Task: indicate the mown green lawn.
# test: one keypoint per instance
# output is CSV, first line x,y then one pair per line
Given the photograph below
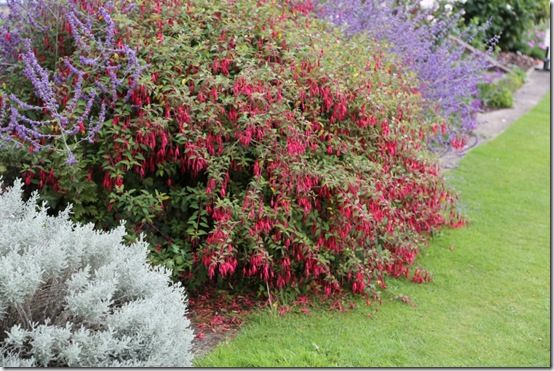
x,y
489,303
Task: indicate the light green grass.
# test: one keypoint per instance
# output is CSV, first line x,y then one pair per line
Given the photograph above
x,y
488,304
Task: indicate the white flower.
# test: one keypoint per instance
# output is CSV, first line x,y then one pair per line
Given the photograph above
x,y
426,4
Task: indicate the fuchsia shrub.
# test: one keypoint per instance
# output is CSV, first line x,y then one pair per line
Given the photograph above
x,y
259,147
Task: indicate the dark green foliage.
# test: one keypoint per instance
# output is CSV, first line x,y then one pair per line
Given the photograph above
x,y
535,52
499,94
509,19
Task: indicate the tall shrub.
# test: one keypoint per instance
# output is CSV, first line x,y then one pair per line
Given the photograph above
x,y
71,296
510,19
260,148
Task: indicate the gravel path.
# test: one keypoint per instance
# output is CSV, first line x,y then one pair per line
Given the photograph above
x,y
493,123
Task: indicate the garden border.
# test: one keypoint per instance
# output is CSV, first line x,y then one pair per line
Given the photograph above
x,y
493,123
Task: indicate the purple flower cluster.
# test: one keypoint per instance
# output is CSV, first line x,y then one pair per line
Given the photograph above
x,y
449,76
70,96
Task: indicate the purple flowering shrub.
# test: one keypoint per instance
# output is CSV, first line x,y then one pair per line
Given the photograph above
x,y
448,76
64,66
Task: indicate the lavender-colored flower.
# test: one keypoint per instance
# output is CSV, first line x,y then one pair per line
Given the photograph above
x,y
38,76
110,26
71,160
68,100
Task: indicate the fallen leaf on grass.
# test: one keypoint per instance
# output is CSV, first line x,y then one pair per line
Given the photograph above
x,y
406,300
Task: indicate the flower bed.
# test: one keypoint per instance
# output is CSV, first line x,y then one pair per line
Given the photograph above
x,y
248,140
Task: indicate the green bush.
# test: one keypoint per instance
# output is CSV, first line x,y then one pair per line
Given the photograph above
x,y
495,96
535,51
499,94
515,79
510,19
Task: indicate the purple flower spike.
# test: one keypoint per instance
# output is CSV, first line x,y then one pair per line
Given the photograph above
x,y
68,99
71,160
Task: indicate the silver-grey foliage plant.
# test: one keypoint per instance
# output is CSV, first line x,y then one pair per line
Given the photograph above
x,y
74,296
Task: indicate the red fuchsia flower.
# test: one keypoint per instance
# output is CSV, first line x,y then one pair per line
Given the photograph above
x,y
365,121
301,6
281,281
217,237
118,181
295,147
210,185
435,128
385,128
107,182
305,183
257,261
28,177
302,300
457,221
213,94
397,269
256,169
313,88
194,159
238,85
201,97
305,204
339,109
358,285
183,116
224,66
207,259
267,272
228,267
458,143
216,66
444,128
285,275
223,189
263,225
232,115
245,137
284,309
221,214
